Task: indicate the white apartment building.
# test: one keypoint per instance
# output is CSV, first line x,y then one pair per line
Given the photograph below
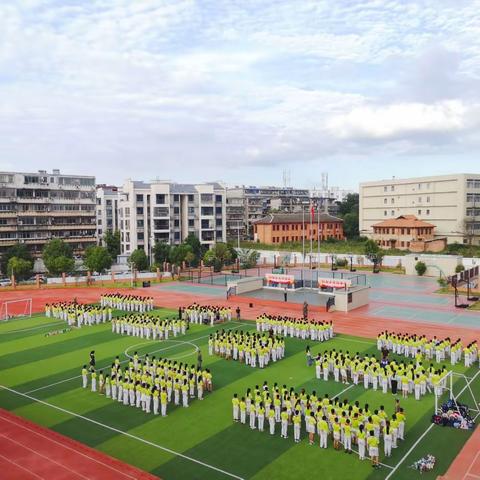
x,y
169,212
37,207
450,202
107,210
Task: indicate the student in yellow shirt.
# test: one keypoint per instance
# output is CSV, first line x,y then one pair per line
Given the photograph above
x,y
322,427
373,442
361,442
236,407
336,434
297,421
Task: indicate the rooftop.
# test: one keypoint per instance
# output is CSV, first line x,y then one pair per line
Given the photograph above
x,y
405,221
297,218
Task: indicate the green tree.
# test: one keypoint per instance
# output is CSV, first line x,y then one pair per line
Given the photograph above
x,y
139,259
161,253
248,258
421,268
350,225
97,259
350,204
459,268
197,248
178,253
373,252
20,251
112,243
58,257
19,267
218,256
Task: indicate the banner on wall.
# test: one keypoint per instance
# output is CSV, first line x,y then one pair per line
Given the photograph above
x,y
279,279
334,283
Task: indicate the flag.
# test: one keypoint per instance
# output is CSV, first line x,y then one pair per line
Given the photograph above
x,y
312,211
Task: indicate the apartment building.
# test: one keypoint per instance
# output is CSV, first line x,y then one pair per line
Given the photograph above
x,y
247,204
450,202
107,210
37,207
169,212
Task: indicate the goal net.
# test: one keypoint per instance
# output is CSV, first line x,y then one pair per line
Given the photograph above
x,y
16,308
459,394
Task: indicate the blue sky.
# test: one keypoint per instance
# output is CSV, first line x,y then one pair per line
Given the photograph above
x,y
240,90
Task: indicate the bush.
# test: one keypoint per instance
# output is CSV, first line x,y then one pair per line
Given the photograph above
x,y
421,268
459,268
442,282
341,262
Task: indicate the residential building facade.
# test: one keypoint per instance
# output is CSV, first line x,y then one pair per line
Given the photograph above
x,y
247,204
168,212
38,207
275,229
107,210
450,202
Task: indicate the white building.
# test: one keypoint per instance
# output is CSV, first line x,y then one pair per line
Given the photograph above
x,y
37,207
107,210
450,202
168,212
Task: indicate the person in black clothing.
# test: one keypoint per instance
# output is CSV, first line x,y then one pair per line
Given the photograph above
x,y
180,311
284,294
238,313
92,360
199,360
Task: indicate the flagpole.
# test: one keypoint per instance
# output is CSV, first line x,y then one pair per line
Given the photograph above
x,y
318,238
303,237
312,213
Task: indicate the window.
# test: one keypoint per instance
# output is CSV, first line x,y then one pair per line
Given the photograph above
x,y
419,186
428,199
218,210
191,222
392,188
99,231
176,223
393,213
218,222
190,198
176,210
139,210
428,212
160,211
127,211
419,199
99,201
176,235
161,224
206,198
392,200
140,236
207,211
385,213
140,223
419,212
109,203
159,198
139,197
385,188
218,198
385,201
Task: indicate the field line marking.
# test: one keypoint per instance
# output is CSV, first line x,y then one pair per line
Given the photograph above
x,y
45,457
471,465
121,432
106,366
409,451
32,328
345,389
66,447
22,467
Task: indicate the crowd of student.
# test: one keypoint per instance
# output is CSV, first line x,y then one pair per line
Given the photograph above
x,y
311,329
345,423
409,378
253,349
206,314
129,303
144,325
419,347
77,314
150,385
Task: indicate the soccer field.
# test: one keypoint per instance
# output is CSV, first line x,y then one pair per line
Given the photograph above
x,y
42,376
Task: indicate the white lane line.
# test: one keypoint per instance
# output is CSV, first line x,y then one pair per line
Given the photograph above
x,y
344,390
45,457
409,451
121,432
66,447
22,467
106,366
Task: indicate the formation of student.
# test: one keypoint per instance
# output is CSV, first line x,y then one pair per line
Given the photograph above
x,y
419,347
144,325
76,314
150,385
206,314
129,303
311,329
342,423
409,378
253,349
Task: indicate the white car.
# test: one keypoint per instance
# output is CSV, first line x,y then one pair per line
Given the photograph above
x,y
5,282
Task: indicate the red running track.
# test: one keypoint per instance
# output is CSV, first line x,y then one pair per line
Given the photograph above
x,y
28,452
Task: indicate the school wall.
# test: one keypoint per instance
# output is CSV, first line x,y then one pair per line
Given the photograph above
x,y
436,264
245,285
359,297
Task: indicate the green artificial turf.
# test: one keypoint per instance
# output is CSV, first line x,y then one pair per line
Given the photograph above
x,y
205,431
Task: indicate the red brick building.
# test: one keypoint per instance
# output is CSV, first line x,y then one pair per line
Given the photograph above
x,y
289,227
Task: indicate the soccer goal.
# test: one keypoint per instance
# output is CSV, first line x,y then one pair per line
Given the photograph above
x,y
16,308
459,390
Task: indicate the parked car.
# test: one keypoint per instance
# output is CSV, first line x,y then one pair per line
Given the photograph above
x,y
5,282
43,279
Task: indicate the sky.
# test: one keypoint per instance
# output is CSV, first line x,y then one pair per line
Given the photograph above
x,y
240,90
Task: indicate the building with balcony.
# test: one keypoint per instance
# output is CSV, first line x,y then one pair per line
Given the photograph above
x,y
275,229
107,210
37,207
245,205
450,202
168,212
